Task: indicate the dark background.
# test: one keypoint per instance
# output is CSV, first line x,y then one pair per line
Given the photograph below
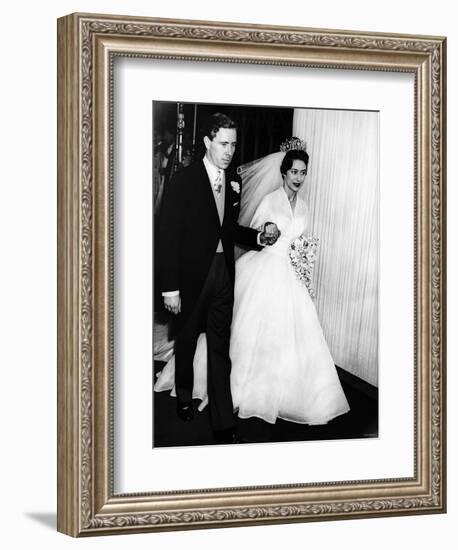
x,y
261,130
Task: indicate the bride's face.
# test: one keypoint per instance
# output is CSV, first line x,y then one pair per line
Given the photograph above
x,y
295,176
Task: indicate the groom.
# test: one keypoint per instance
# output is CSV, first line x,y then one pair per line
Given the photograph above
x,y
198,232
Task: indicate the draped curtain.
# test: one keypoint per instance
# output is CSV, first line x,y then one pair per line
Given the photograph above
x,y
343,195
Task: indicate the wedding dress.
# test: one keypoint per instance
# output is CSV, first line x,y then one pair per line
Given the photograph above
x,y
281,363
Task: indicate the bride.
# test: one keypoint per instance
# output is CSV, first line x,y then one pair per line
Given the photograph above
x,y
281,364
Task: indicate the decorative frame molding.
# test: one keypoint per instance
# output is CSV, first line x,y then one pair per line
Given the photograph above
x,y
87,45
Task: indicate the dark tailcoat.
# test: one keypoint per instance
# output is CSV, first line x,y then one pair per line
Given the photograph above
x,y
191,229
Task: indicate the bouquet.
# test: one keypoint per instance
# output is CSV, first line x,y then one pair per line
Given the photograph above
x,y
302,253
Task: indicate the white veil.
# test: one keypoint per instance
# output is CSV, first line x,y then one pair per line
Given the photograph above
x,y
259,178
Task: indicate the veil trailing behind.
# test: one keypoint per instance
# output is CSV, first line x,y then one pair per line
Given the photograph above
x,y
259,178
281,364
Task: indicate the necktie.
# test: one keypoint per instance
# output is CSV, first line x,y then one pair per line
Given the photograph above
x,y
218,183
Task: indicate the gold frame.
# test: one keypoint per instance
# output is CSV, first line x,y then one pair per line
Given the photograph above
x,y
87,44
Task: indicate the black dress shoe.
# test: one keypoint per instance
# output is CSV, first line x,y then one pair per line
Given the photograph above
x,y
185,411
229,436
237,438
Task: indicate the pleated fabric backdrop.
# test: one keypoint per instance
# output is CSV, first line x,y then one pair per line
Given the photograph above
x,y
342,190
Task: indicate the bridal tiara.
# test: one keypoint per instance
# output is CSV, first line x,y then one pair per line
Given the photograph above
x,y
293,143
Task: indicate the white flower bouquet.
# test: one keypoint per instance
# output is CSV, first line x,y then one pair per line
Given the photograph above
x,y
302,253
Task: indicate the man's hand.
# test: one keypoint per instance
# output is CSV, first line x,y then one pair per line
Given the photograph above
x,y
269,234
173,304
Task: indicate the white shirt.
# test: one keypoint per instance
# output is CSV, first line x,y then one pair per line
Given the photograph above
x,y
215,175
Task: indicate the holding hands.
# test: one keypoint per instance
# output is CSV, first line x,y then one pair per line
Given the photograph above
x,y
269,234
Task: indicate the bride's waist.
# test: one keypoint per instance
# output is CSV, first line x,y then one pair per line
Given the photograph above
x,y
281,246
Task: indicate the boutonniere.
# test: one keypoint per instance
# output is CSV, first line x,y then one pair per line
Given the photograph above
x,y
235,186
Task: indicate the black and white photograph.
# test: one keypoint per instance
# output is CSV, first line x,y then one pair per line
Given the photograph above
x,y
266,274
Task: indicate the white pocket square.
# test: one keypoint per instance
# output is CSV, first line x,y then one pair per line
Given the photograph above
x,y
236,203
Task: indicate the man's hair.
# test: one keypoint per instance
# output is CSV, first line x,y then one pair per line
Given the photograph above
x,y
217,121
290,157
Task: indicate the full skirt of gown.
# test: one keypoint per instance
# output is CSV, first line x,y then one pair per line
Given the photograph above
x,y
281,363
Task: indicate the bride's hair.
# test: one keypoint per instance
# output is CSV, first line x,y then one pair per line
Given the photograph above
x,y
263,176
290,157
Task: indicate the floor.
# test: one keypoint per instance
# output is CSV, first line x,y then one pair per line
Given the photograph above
x,y
360,422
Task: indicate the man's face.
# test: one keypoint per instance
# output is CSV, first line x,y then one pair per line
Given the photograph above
x,y
221,148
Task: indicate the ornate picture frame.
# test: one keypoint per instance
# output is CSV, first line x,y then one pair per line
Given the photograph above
x,y
87,46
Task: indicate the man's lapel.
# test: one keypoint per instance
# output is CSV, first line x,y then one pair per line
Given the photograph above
x,y
230,197
227,196
207,192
